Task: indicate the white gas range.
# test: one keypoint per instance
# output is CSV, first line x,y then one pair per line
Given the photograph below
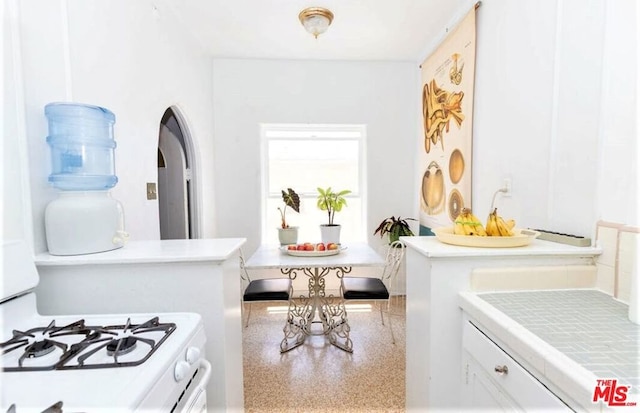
x,y
94,363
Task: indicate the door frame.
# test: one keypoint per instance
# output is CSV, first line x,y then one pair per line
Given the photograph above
x,y
194,198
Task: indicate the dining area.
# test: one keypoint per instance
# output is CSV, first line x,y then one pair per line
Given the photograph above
x,y
325,346
317,306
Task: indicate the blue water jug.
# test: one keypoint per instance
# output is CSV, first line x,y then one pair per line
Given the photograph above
x,y
82,146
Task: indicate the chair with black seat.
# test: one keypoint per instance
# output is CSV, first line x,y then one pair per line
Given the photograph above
x,y
377,289
263,289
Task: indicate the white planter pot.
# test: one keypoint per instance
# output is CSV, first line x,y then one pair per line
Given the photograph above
x,y
330,233
288,235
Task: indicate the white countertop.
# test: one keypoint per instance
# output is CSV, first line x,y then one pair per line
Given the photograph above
x,y
154,251
353,255
431,247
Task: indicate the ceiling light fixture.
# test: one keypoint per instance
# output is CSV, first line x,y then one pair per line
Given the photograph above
x,y
316,20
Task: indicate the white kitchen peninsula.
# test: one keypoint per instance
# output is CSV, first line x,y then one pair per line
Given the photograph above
x,y
200,276
436,273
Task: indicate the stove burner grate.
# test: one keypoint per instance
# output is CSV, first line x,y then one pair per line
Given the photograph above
x,y
116,340
40,341
54,408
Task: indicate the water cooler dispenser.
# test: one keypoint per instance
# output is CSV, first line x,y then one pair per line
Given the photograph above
x,y
84,219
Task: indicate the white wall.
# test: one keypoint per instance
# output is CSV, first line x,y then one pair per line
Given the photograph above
x,y
132,58
547,84
618,144
555,111
16,217
250,92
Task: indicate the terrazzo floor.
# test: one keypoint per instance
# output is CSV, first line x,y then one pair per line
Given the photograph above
x,y
318,377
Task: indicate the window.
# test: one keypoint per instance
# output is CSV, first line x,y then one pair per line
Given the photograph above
x,y
305,157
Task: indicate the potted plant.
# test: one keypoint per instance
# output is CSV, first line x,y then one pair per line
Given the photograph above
x,y
394,227
332,202
288,234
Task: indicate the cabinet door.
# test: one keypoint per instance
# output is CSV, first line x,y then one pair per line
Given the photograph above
x,y
515,383
479,391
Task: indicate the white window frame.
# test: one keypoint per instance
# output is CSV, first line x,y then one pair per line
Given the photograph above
x,y
305,132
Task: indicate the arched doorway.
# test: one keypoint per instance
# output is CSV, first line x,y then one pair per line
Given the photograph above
x,y
177,193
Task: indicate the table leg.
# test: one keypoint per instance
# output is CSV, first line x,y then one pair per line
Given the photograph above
x,y
330,310
336,313
295,329
299,315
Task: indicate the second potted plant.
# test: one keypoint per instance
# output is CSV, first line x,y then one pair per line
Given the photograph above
x,y
332,202
394,227
287,234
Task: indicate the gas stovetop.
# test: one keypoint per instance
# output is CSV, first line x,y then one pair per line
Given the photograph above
x,y
95,362
79,346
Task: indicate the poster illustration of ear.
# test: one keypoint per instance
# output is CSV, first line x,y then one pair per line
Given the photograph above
x,y
447,115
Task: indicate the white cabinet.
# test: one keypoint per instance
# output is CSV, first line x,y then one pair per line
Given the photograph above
x,y
479,391
491,379
199,275
436,274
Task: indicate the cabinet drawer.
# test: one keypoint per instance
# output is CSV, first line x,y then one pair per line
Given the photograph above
x,y
518,383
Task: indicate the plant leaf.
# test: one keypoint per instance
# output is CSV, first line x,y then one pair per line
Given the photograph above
x,y
291,199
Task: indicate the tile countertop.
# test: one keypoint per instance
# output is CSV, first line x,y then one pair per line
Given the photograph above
x,y
570,337
153,251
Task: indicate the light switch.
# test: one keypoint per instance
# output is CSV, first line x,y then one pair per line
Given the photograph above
x,y
151,190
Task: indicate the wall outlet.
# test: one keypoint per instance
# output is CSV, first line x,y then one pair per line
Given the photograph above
x,y
152,192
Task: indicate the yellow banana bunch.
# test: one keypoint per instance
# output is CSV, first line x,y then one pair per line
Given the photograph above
x,y
497,227
468,224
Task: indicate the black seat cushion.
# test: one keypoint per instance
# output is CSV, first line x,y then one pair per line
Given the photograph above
x,y
363,288
268,289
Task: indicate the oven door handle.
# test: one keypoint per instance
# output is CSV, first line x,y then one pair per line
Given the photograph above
x,y
207,373
201,387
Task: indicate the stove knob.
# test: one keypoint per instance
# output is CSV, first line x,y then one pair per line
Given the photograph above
x,y
193,355
181,371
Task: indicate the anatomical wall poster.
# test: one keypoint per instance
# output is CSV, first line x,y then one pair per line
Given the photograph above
x,y
447,120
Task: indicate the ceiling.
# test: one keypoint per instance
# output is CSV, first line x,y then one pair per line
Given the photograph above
x,y
398,30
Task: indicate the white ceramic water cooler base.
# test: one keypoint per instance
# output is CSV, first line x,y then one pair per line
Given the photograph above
x,y
84,223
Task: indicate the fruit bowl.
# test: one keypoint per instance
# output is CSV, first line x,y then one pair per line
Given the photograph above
x,y
521,238
298,253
